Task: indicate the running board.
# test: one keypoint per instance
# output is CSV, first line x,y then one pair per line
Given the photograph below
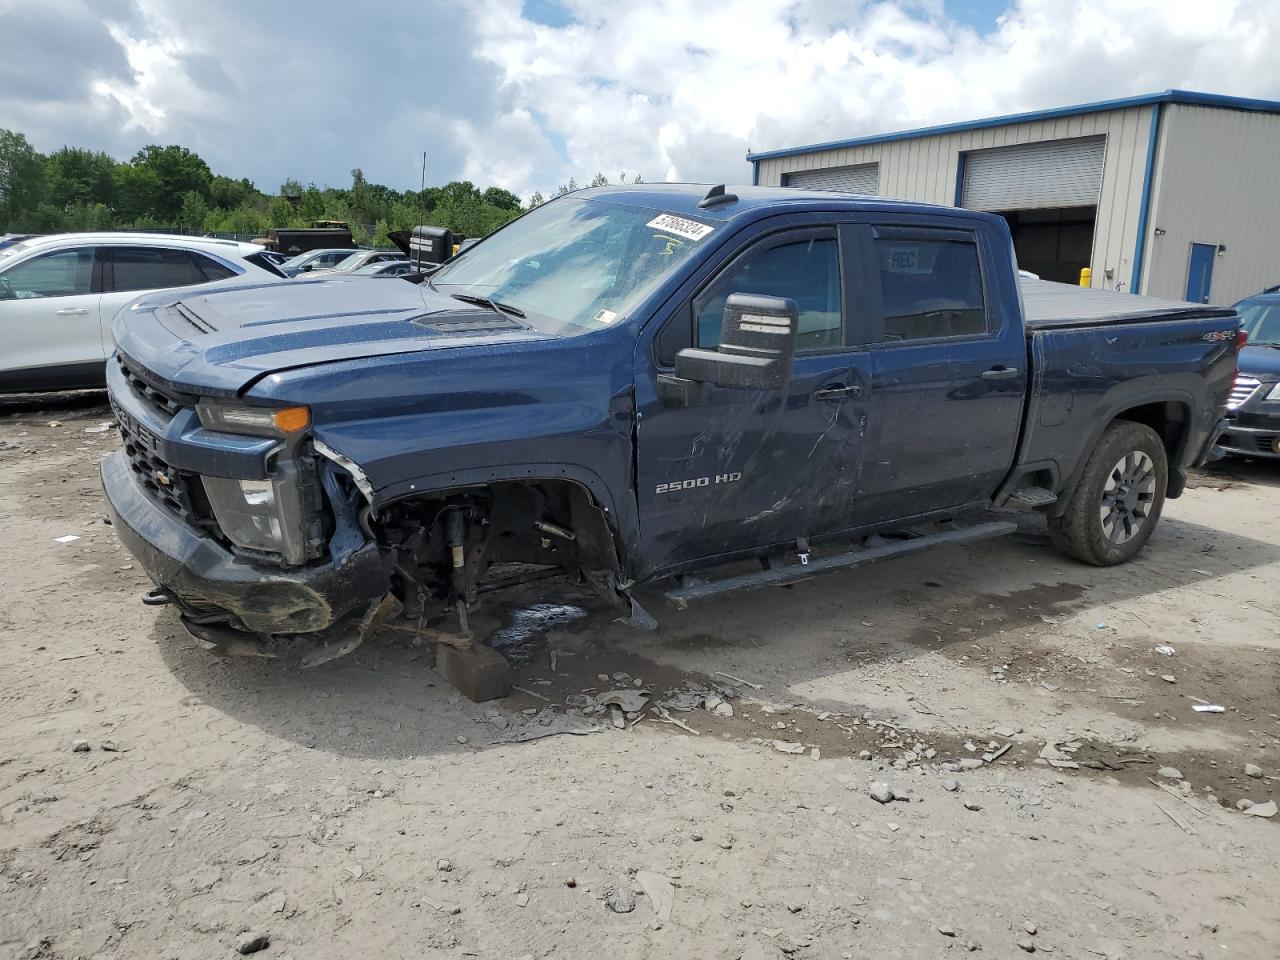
x,y
778,575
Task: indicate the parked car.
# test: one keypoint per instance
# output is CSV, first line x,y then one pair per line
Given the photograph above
x,y
386,268
315,260
362,258
9,239
1254,407
275,257
59,293
635,383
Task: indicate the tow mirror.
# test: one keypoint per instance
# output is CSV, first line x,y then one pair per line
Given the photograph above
x,y
757,345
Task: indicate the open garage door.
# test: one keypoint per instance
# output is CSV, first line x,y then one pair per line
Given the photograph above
x,y
862,179
1048,192
1033,176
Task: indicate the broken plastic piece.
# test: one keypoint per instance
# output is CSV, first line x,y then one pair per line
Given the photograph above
x,y
639,617
1208,708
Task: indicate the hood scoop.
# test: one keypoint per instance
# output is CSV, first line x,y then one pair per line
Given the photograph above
x,y
466,323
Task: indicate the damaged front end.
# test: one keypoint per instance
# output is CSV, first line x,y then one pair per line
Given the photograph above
x,y
265,539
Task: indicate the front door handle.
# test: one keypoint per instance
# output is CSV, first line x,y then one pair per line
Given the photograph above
x,y
73,312
838,391
1000,373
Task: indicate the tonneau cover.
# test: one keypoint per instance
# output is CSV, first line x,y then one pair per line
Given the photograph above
x,y
1050,304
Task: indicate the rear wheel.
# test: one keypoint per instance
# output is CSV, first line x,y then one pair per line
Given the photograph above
x,y
1115,506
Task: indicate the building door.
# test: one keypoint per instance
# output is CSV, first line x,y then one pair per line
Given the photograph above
x,y
862,179
1048,192
1200,271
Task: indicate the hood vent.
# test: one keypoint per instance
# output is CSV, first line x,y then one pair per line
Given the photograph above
x,y
466,324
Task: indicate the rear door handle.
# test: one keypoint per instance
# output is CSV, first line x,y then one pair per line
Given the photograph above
x,y
73,312
1000,373
838,391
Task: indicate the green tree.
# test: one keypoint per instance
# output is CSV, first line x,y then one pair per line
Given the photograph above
x,y
137,191
536,200
502,199
312,206
77,176
291,188
569,187
177,171
380,235
600,180
229,194
21,180
193,210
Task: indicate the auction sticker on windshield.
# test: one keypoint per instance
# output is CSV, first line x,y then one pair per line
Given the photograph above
x,y
689,229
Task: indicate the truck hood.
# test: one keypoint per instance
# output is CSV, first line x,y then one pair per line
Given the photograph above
x,y
218,340
1261,362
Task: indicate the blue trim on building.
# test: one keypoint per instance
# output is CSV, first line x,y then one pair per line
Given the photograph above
x,y
1189,97
1140,249
960,161
755,173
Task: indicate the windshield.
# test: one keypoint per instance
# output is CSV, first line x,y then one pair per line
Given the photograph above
x,y
346,263
1261,321
574,265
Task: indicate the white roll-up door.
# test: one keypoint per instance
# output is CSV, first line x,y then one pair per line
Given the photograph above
x,y
862,179
1055,173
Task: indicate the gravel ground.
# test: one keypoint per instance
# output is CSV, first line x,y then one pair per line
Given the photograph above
x,y
365,806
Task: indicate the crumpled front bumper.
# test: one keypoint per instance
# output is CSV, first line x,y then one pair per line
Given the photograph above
x,y
209,579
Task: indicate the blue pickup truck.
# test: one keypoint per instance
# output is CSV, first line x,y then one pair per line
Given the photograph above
x,y
715,390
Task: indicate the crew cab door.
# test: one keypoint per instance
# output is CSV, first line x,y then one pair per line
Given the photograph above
x,y
742,467
50,321
948,369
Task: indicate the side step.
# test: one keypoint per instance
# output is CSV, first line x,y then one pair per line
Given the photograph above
x,y
779,575
1033,497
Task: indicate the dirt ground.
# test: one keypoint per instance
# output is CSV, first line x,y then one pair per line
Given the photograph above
x,y
364,807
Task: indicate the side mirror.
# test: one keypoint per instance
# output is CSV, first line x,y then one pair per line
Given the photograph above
x,y
306,268
757,345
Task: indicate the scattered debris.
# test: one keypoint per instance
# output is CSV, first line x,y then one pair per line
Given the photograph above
x,y
80,746
786,746
1209,708
101,428
995,755
665,717
1252,770
630,700
444,866
1027,944
660,891
972,805
950,785
1164,649
1179,823
1168,678
745,683
1267,809
69,538
1169,773
522,899
947,930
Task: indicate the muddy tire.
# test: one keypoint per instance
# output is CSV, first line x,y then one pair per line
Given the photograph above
x,y
1116,505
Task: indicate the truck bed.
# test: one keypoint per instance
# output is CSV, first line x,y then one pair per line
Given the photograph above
x,y
1051,305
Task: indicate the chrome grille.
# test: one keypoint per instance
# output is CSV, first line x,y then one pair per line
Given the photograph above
x,y
1244,389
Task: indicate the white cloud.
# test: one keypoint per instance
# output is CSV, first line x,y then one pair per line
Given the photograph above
x,y
671,89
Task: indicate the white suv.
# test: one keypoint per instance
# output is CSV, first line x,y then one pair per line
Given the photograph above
x,y
59,294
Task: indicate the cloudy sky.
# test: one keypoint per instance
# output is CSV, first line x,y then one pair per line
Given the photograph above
x,y
527,94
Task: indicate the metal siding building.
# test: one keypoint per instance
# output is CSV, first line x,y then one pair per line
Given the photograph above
x,y
1171,193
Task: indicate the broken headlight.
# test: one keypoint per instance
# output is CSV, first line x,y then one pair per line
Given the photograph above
x,y
278,516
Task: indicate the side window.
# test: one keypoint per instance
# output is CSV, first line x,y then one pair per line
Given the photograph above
x,y
931,288
805,269
152,268
66,273
211,268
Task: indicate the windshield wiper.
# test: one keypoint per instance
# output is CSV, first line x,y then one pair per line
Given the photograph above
x,y
495,305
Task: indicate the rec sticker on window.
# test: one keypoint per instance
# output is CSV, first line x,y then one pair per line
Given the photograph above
x,y
689,229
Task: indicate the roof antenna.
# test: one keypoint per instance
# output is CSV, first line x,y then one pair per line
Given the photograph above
x,y
716,196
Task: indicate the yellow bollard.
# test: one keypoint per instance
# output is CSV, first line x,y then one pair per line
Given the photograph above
x,y
1086,277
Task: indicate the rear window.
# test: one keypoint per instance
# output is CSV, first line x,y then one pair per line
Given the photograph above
x,y
212,269
930,288
152,268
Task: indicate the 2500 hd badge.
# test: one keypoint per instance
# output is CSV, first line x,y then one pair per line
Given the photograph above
x,y
676,486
